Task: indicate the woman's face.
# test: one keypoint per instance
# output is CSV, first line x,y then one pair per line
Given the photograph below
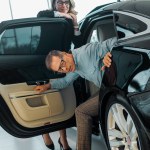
x,y
62,5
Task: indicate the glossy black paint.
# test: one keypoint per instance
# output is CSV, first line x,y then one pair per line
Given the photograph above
x,y
131,57
25,44
22,59
139,7
9,124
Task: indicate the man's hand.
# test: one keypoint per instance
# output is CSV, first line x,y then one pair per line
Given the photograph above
x,y
107,61
42,88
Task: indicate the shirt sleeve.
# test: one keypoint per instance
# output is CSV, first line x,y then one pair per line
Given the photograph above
x,y
107,46
65,81
57,14
77,33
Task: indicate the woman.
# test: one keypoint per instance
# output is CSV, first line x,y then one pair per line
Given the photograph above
x,y
64,8
61,8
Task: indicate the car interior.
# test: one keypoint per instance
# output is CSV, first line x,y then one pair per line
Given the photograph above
x,y
26,50
99,33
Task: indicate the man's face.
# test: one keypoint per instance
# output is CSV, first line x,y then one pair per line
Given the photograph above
x,y
62,5
64,65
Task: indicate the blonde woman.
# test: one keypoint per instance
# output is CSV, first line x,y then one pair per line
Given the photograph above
x,y
64,8
61,8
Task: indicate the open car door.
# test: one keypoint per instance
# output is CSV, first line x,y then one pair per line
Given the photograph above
x,y
24,44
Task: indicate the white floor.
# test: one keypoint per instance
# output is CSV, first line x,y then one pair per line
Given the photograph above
x,y
8,142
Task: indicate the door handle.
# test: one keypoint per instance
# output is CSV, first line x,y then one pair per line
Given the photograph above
x,y
41,82
38,82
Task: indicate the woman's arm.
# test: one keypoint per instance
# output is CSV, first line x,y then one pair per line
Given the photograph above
x,y
77,33
75,24
46,13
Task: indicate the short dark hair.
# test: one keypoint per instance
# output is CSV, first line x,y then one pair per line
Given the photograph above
x,y
52,53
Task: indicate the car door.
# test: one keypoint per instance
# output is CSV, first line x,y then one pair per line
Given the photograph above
x,y
133,37
131,58
24,44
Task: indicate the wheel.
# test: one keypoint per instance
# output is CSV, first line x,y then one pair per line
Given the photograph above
x,y
123,130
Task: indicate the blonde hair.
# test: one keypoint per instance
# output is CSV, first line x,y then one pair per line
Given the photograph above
x,y
72,6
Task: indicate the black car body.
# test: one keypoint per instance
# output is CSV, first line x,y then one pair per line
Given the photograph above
x,y
124,96
124,100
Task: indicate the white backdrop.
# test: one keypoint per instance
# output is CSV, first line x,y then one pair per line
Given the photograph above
x,y
30,8
85,6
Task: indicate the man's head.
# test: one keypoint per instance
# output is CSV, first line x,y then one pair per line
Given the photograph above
x,y
60,61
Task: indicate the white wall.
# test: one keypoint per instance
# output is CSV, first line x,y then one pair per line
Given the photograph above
x,y
30,8
85,6
4,10
21,8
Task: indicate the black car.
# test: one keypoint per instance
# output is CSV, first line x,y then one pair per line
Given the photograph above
x,y
124,96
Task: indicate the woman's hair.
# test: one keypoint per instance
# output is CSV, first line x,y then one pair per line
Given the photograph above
x,y
52,53
72,6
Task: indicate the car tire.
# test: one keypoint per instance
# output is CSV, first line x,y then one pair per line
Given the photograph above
x,y
123,130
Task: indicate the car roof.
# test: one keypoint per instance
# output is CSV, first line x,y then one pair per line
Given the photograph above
x,y
140,7
20,21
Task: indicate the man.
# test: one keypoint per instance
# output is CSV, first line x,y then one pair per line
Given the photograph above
x,y
88,62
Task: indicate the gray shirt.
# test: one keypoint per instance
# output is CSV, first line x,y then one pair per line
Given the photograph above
x,y
88,61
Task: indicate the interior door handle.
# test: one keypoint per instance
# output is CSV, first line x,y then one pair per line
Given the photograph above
x,y
41,82
38,82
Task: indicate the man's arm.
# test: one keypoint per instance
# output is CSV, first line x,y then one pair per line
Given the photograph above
x,y
107,46
42,88
58,83
64,82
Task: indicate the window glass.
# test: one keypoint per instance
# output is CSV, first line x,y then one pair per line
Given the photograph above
x,y
35,34
20,40
94,36
136,85
128,26
126,64
37,38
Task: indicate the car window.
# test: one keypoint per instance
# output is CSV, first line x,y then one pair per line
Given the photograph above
x,y
127,62
36,38
20,41
128,25
94,36
24,45
136,85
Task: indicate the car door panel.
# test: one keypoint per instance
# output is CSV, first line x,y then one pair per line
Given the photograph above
x,y
33,106
33,109
23,47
